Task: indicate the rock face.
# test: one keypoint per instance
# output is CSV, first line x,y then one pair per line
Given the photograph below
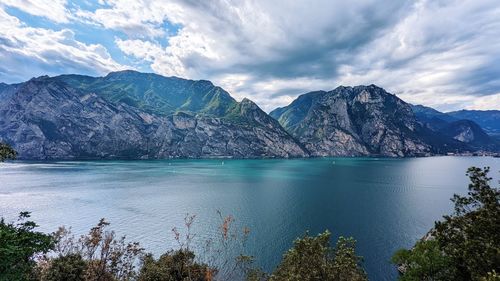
x,y
448,125
79,117
133,115
354,121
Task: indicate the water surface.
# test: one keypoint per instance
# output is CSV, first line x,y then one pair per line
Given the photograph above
x,y
385,204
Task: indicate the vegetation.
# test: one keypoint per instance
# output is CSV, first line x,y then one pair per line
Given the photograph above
x,y
7,152
20,245
466,244
312,258
29,255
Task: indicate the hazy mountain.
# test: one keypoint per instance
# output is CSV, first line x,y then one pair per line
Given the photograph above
x,y
362,120
135,115
463,130
489,120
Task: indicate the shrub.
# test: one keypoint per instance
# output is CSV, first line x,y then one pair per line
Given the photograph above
x,y
174,265
7,152
466,244
312,258
20,245
71,267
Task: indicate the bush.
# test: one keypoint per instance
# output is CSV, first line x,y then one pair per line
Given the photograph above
x,y
425,261
312,258
175,265
466,244
99,255
20,245
7,152
71,267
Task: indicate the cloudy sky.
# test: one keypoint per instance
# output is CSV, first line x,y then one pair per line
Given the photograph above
x,y
440,53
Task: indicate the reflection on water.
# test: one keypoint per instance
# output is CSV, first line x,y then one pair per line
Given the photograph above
x,y
384,203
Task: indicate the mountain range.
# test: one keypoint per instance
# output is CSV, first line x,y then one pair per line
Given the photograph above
x,y
133,115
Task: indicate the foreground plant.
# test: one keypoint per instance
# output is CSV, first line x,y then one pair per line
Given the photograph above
x,y
20,245
466,244
7,152
312,258
99,255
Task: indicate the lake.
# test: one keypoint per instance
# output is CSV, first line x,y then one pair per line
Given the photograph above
x,y
385,204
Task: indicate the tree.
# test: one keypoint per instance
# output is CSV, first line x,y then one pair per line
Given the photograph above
x,y
19,246
312,258
424,262
464,245
7,152
71,267
471,236
175,266
105,257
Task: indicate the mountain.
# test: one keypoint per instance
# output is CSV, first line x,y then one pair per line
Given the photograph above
x,y
357,121
463,130
135,115
154,93
489,120
432,118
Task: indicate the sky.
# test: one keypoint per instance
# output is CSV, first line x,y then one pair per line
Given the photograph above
x,y
439,53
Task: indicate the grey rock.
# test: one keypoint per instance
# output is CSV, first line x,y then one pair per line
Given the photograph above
x,y
46,118
353,121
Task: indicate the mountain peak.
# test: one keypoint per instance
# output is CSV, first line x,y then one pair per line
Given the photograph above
x,y
359,120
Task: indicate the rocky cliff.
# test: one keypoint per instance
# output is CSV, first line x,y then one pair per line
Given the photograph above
x,y
133,115
78,117
354,121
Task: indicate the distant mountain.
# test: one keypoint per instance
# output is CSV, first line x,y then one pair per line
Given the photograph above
x,y
463,130
359,121
136,115
133,115
489,120
431,116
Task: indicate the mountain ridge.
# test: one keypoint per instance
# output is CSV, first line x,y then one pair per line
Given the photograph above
x,y
134,115
46,118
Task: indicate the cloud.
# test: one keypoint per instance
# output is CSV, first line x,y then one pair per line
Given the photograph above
x,y
484,103
441,53
55,11
261,40
26,52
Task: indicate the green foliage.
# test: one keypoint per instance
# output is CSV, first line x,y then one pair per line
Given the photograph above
x,y
425,261
346,264
101,256
156,94
175,265
471,236
71,267
7,152
466,244
312,258
19,246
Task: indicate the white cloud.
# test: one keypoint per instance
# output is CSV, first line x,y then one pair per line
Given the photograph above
x,y
32,51
262,40
54,10
443,54
484,103
440,53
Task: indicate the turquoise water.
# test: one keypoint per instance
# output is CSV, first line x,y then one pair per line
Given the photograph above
x,y
385,204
